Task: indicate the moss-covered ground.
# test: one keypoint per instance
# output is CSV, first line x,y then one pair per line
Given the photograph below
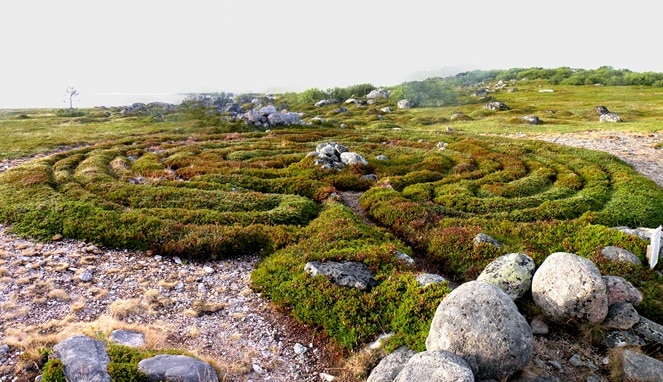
x,y
200,187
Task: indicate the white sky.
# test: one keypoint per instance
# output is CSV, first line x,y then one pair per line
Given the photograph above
x,y
154,47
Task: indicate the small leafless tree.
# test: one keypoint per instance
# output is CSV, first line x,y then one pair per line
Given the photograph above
x,y
71,92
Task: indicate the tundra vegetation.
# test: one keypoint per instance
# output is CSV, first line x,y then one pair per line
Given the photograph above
x,y
196,183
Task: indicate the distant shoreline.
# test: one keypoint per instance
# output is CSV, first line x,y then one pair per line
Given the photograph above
x,y
87,101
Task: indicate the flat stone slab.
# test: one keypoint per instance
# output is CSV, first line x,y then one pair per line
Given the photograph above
x,y
350,273
180,368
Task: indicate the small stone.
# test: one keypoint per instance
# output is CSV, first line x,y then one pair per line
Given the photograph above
x,y
177,260
179,286
539,326
405,257
555,364
327,377
129,338
576,361
481,238
426,279
202,288
300,349
4,350
258,369
208,270
86,276
57,237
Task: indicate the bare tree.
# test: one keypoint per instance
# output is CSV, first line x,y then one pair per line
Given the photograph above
x,y
71,92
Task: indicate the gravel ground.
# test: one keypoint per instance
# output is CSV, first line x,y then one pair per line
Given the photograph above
x,y
207,308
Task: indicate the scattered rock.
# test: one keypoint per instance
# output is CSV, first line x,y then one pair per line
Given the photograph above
x,y
569,289
404,257
496,106
403,104
532,119
327,377
482,238
351,274
511,272
425,279
480,323
130,338
539,326
300,349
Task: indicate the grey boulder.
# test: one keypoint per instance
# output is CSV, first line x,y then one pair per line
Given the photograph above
x,y
84,359
435,366
480,323
390,366
569,289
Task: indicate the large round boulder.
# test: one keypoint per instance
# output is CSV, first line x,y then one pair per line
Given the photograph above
x,y
480,323
569,290
511,272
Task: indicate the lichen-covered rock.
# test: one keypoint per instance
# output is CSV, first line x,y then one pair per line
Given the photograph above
x,y
437,366
619,254
350,273
570,289
511,272
481,324
391,365
622,316
620,290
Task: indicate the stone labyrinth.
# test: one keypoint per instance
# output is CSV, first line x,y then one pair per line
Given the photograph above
x,y
220,194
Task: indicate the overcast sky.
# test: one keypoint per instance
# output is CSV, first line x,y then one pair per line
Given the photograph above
x,y
152,48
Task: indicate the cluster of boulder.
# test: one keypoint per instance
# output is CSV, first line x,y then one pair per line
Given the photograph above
x,y
334,156
268,116
478,333
86,359
152,108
